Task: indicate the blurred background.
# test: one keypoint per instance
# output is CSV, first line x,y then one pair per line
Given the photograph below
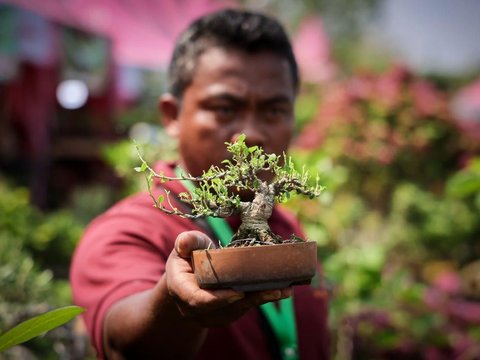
x,y
388,115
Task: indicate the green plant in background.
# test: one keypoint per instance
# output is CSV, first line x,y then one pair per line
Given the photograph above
x,y
426,226
48,238
87,202
384,269
35,251
122,157
466,183
386,129
37,326
399,233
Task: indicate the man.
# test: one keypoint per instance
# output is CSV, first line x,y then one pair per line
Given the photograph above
x,y
232,73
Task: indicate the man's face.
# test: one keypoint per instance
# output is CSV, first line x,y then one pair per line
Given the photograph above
x,y
234,93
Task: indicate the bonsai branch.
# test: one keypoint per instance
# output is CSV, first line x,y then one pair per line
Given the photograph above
x,y
217,191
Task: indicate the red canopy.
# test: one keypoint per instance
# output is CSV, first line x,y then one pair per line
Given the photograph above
x,y
142,31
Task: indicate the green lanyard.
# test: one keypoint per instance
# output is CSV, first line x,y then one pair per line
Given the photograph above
x,y
281,319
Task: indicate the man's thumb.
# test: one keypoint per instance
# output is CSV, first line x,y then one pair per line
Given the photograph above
x,y
192,240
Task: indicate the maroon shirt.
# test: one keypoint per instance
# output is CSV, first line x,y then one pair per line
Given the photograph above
x,y
124,251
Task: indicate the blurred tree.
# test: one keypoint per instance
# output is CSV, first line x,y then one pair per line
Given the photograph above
x,y
400,218
344,20
33,247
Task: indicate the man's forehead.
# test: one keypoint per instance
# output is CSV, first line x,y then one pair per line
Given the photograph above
x,y
230,57
231,71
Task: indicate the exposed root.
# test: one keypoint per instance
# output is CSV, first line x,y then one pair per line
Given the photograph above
x,y
249,242
261,237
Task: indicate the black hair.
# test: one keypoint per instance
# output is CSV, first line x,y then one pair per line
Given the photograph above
x,y
231,29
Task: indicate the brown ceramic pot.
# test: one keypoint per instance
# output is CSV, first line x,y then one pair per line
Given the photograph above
x,y
254,268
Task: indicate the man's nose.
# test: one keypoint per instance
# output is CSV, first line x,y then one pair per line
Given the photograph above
x,y
251,127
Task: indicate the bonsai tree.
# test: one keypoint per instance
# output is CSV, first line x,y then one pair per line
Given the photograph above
x,y
217,190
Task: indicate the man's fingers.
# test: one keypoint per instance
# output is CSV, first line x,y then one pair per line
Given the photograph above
x,y
187,292
208,307
192,240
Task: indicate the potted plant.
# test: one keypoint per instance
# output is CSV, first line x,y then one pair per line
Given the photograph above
x,y
255,258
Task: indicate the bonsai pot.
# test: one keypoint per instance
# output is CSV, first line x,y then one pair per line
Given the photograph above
x,y
255,268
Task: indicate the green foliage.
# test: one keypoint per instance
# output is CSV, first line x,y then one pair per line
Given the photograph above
x,y
50,239
37,326
402,219
213,194
87,202
426,226
35,251
305,108
122,157
389,128
466,183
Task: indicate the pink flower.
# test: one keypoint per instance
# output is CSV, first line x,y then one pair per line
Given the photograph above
x,y
389,86
361,87
312,49
448,282
466,108
426,98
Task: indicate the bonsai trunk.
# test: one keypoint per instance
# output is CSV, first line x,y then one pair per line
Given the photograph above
x,y
255,215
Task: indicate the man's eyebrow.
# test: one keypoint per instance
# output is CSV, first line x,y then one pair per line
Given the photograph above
x,y
223,96
226,96
278,99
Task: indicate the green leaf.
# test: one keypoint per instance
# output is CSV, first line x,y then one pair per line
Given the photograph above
x,y
160,199
463,184
38,325
142,167
241,138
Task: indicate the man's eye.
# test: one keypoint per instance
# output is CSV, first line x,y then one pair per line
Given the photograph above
x,y
276,113
224,111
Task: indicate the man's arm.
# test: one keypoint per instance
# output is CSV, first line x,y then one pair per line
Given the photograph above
x,y
171,319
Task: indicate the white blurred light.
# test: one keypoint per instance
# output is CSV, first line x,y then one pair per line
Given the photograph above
x,y
143,133
72,94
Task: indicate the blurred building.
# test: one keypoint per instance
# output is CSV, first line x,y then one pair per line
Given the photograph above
x,y
66,69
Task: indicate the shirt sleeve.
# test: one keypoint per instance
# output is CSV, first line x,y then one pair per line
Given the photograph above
x,y
122,252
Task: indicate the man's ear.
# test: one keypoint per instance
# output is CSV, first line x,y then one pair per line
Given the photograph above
x,y
170,108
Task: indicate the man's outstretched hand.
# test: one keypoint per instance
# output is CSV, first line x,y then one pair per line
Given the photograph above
x,y
176,310
208,308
